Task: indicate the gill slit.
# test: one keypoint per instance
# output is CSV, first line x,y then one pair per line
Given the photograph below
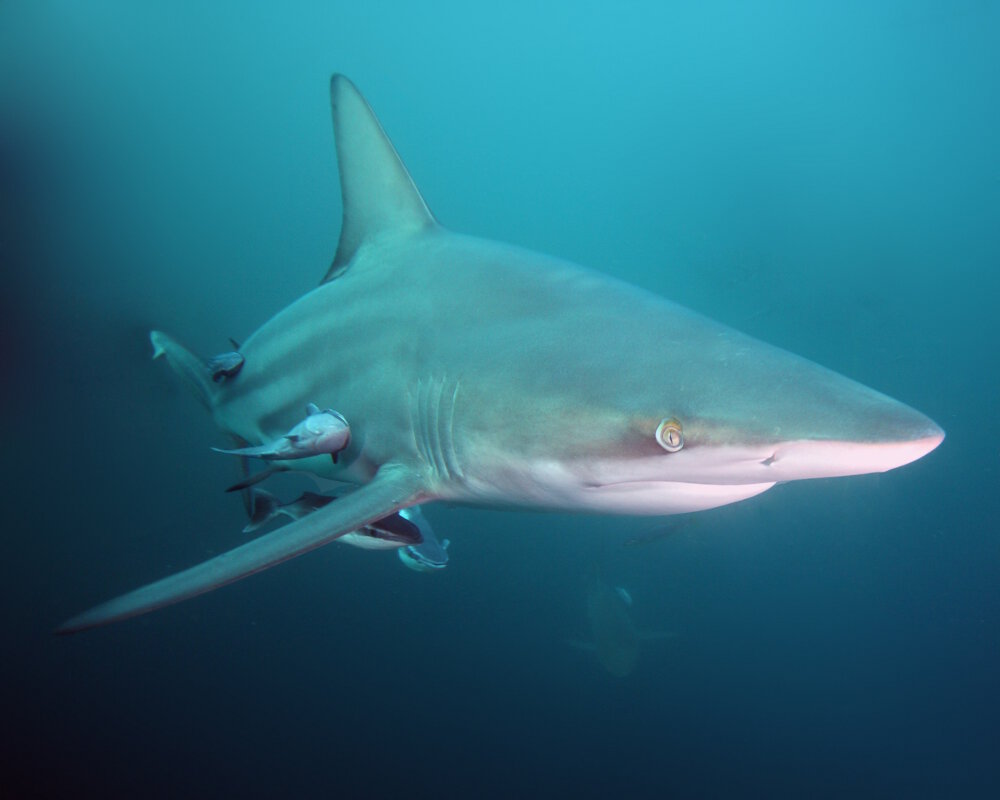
x,y
433,426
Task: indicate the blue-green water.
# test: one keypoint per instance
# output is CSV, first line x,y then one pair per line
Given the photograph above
x,y
823,176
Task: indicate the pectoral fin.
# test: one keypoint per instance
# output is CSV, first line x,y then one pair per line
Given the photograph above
x,y
393,487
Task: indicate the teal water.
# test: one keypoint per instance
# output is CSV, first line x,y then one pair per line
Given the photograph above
x,y
823,176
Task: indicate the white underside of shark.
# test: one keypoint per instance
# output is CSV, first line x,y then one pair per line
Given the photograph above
x,y
486,374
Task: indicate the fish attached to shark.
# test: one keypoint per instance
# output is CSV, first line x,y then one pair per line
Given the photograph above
x,y
486,374
321,432
430,555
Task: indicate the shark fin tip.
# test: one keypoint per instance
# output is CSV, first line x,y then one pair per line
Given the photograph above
x,y
155,338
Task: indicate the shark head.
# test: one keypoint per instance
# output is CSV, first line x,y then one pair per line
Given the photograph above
x,y
646,407
739,427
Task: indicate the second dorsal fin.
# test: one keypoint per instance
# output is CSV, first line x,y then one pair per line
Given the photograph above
x,y
378,193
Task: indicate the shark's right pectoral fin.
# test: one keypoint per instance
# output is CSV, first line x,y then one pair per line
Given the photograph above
x,y
393,487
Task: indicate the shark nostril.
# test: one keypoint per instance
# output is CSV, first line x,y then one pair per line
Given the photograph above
x,y
769,460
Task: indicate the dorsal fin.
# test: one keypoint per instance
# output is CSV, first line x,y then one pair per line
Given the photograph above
x,y
378,193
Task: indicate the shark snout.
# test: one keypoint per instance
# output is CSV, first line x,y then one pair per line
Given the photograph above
x,y
893,436
800,459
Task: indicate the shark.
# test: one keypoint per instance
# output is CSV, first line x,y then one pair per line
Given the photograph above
x,y
481,373
615,640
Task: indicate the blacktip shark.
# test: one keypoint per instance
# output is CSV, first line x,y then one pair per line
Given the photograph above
x,y
486,374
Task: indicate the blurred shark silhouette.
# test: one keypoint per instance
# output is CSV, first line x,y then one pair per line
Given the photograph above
x,y
615,640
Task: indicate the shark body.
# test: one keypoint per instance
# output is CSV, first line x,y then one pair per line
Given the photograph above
x,y
482,373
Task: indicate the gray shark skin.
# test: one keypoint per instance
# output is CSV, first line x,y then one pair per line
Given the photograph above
x,y
482,373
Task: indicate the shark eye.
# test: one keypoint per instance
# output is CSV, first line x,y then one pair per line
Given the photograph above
x,y
669,435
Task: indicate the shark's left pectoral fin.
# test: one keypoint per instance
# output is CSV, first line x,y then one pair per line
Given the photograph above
x,y
393,487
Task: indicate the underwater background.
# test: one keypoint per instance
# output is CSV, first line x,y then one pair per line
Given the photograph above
x,y
824,176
